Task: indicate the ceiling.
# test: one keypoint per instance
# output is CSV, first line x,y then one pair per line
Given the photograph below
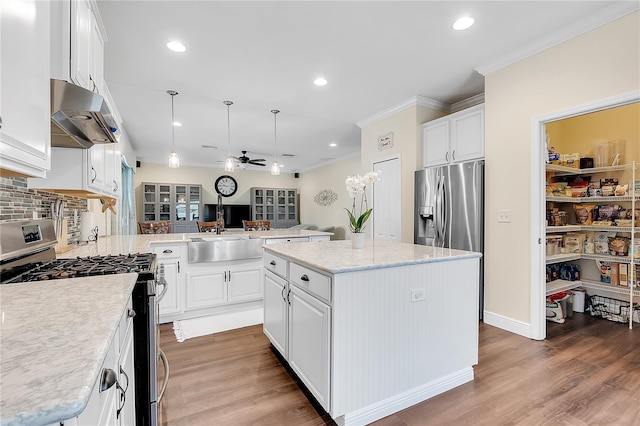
x,y
265,55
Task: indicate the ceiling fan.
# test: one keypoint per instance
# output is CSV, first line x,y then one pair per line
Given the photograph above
x,y
246,160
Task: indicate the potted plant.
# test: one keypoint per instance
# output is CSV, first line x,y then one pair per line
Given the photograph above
x,y
360,211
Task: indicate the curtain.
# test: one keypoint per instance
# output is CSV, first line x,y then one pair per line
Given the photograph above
x,y
128,224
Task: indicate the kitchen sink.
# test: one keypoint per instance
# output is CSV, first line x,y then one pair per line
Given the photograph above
x,y
223,248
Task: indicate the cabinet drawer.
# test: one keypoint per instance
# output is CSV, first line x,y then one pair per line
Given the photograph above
x,y
311,281
275,264
168,252
286,240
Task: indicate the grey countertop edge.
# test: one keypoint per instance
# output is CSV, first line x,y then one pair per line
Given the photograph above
x,y
76,401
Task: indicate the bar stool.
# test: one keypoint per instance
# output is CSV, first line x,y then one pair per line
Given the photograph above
x,y
162,227
256,225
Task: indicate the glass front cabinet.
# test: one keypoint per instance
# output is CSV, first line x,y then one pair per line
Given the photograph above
x,y
179,203
278,205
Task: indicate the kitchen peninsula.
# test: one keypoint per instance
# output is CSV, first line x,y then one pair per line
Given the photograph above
x,y
375,330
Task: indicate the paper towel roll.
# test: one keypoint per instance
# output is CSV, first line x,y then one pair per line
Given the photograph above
x,y
87,226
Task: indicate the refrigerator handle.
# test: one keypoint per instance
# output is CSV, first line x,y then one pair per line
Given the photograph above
x,y
442,213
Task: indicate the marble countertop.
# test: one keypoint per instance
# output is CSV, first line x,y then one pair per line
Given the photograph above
x,y
54,338
338,257
124,244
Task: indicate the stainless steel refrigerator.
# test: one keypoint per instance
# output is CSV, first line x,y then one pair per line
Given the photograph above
x,y
449,203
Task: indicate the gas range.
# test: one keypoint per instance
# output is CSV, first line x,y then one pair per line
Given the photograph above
x,y
142,263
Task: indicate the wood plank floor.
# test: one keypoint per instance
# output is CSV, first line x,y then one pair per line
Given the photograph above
x,y
587,372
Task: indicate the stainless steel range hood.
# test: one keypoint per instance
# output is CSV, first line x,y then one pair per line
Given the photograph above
x,y
79,117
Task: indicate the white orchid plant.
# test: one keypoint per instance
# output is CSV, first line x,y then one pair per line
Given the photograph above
x,y
356,186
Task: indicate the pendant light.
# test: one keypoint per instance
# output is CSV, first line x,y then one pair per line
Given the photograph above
x,y
174,160
275,167
230,162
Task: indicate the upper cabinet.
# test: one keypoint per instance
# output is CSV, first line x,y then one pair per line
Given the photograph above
x,y
77,44
24,83
455,138
84,173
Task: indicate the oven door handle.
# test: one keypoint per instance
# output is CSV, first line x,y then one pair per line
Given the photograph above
x,y
165,286
165,381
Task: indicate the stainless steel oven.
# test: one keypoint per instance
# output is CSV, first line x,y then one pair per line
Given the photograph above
x,y
27,254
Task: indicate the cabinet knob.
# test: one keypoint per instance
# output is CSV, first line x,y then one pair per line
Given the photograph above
x,y
272,263
131,313
167,251
304,277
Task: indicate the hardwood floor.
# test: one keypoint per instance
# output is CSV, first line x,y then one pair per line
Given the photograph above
x,y
587,372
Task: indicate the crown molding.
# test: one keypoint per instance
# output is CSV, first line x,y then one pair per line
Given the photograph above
x,y
609,14
467,103
332,161
413,101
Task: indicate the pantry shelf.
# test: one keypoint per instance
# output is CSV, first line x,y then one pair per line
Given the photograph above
x,y
567,171
619,289
564,257
591,199
557,286
607,258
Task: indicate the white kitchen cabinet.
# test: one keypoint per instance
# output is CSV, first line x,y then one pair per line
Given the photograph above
x,y
96,66
454,138
309,340
223,283
81,29
25,124
298,322
113,170
171,256
275,311
126,409
91,182
206,288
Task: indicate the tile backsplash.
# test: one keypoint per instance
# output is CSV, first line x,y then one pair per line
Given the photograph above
x,y
17,202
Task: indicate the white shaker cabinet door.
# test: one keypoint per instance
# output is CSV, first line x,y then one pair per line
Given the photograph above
x,y
275,311
435,144
206,289
25,128
81,58
245,283
467,135
309,341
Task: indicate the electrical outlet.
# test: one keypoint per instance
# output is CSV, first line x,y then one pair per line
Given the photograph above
x,y
504,216
417,294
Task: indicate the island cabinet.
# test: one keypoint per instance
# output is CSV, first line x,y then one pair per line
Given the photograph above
x,y
370,332
222,283
25,124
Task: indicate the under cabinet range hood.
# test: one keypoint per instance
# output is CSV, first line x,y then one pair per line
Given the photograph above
x,y
79,117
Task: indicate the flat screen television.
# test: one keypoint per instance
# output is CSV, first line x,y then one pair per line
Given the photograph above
x,y
234,214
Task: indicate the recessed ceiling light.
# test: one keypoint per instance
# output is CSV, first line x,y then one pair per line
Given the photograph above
x,y
463,23
333,144
320,81
177,123
176,46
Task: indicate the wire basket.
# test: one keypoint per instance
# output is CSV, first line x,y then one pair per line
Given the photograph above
x,y
612,309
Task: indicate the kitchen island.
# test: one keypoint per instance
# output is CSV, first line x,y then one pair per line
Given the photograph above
x,y
55,338
375,330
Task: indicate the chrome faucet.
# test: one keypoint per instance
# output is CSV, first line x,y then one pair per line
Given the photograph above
x,y
219,216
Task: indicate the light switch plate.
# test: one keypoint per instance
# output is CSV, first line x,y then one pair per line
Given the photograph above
x,y
504,216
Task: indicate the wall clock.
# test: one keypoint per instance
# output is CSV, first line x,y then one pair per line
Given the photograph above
x,y
226,186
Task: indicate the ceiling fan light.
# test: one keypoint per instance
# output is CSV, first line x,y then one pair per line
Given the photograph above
x,y
275,169
463,23
229,164
174,160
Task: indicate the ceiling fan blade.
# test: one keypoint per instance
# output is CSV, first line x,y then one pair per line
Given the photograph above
x,y
256,164
258,159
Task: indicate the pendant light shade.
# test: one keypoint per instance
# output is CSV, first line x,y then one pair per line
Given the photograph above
x,y
230,162
275,167
174,160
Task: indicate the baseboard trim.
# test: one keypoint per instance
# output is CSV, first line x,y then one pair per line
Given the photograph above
x,y
406,399
506,323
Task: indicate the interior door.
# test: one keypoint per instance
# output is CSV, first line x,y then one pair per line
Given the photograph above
x,y
387,212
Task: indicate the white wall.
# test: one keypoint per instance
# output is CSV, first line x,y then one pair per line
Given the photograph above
x,y
601,63
407,139
332,177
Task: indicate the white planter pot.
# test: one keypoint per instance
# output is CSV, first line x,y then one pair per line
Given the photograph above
x,y
357,240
